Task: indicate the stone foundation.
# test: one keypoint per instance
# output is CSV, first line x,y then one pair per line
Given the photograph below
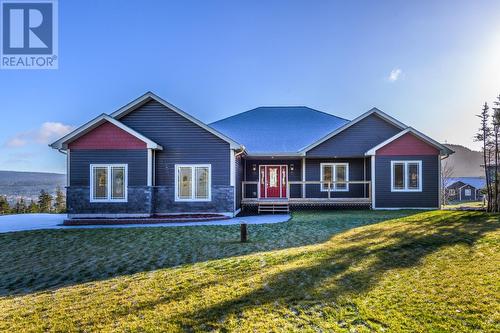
x,y
222,201
145,201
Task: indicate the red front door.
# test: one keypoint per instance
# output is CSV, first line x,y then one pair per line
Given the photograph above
x,y
273,181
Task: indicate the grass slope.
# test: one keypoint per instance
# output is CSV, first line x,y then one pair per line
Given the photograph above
x,y
420,272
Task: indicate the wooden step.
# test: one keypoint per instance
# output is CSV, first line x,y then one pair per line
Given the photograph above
x,y
273,207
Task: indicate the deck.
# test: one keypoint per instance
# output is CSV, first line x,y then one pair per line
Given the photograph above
x,y
328,197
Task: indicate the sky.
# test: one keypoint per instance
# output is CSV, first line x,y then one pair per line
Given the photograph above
x,y
430,64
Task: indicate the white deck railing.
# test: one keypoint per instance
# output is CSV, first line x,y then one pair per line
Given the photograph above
x,y
358,191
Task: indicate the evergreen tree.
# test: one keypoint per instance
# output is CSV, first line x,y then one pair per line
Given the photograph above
x,y
4,205
33,207
60,201
20,207
44,202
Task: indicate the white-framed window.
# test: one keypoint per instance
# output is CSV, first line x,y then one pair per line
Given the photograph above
x,y
468,192
452,191
193,182
406,176
108,182
334,172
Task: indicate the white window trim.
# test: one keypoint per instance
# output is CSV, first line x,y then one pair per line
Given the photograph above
x,y
452,191
193,183
108,166
470,192
407,176
334,176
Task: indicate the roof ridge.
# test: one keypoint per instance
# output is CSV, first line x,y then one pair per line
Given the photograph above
x,y
327,113
234,115
283,107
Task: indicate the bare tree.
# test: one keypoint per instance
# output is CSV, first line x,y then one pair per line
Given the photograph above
x,y
447,171
484,136
496,131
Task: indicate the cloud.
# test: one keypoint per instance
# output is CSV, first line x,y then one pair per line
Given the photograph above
x,y
395,74
15,142
48,132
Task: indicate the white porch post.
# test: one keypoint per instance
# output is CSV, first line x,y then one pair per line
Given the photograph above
x,y
440,185
303,177
373,181
68,167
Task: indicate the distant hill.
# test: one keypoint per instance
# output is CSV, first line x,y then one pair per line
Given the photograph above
x,y
465,162
15,184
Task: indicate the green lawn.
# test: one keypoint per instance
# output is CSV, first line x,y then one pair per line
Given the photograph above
x,y
349,271
466,204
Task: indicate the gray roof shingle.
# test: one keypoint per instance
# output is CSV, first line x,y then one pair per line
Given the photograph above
x,y
278,129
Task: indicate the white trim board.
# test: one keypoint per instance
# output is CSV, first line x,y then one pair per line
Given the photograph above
x,y
372,178
63,142
443,149
151,96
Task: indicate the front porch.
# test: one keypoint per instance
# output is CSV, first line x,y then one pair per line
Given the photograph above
x,y
306,182
309,194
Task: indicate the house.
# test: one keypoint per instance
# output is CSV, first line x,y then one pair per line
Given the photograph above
x,y
151,158
465,188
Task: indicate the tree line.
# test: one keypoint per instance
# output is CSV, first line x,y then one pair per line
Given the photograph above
x,y
489,136
45,203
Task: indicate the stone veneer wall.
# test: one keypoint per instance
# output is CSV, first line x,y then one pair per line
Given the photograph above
x,y
139,202
222,201
146,200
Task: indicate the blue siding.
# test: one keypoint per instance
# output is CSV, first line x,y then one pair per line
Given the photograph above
x,y
357,139
472,195
428,198
182,141
80,161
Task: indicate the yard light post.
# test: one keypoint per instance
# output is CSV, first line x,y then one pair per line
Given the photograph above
x,y
243,233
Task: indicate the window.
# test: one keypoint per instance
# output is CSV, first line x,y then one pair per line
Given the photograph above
x,y
452,191
406,176
193,182
108,183
468,192
334,172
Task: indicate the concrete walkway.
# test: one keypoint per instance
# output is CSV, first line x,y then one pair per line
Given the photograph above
x,y
24,222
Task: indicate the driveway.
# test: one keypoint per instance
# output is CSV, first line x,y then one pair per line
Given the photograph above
x,y
24,222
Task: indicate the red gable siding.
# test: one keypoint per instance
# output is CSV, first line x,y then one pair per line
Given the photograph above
x,y
107,136
408,144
